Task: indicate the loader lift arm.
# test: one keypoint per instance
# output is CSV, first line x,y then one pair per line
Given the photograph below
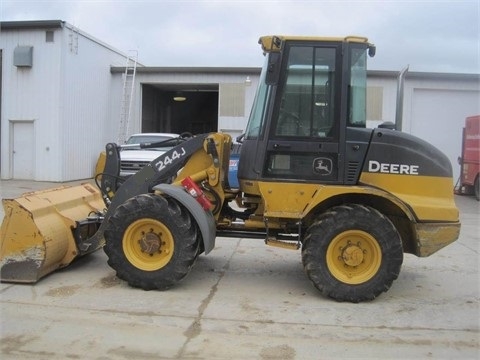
x,y
163,167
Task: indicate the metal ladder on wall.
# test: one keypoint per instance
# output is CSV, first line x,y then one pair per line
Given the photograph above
x,y
127,96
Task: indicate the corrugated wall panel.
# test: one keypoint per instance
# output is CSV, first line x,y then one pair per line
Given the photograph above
x,y
30,93
66,93
86,89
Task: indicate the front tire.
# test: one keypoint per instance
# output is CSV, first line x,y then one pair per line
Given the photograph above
x,y
352,253
151,242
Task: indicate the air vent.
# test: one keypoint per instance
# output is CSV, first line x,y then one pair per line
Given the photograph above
x,y
132,165
352,172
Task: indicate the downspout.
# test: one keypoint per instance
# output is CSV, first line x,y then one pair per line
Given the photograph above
x,y
399,106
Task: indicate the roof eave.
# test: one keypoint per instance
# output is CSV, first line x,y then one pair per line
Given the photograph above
x,y
31,24
190,70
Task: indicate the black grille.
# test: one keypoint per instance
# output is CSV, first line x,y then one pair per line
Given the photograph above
x,y
352,172
132,166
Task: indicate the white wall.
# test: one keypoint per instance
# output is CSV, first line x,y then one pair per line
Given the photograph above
x,y
389,87
64,98
85,98
235,126
30,94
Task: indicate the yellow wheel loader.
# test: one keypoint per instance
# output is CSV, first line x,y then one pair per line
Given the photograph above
x,y
311,177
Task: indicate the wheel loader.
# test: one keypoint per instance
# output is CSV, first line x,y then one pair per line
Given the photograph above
x,y
311,176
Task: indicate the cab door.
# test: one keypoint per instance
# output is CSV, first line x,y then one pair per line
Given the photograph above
x,y
305,134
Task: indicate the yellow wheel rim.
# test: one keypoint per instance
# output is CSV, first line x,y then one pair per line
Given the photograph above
x,y
148,244
354,257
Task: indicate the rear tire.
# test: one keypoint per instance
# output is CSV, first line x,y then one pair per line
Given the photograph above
x,y
151,242
352,253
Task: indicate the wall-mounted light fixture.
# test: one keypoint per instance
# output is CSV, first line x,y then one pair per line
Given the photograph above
x,y
248,82
179,96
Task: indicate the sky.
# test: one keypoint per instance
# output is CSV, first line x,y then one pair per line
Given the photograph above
x,y
425,35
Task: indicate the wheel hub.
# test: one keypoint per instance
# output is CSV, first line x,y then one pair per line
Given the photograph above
x,y
352,255
150,243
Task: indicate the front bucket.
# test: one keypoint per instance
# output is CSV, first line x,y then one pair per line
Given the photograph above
x,y
36,236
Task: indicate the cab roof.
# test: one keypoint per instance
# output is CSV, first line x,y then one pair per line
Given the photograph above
x,y
273,43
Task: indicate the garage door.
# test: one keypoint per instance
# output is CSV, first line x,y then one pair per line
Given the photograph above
x,y
438,117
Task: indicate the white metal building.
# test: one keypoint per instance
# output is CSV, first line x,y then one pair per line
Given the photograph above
x,y
58,113
55,100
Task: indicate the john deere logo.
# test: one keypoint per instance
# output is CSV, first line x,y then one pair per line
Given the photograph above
x,y
322,166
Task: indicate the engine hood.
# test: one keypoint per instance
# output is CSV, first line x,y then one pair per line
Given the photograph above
x,y
395,152
140,155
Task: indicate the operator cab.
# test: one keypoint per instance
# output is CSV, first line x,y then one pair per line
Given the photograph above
x,y
311,90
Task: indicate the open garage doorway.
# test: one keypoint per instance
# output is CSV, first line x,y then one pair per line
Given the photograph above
x,y
179,108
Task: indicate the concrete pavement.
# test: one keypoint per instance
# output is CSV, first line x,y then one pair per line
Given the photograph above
x,y
246,300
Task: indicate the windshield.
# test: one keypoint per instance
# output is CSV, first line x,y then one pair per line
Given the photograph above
x,y
358,87
138,139
257,115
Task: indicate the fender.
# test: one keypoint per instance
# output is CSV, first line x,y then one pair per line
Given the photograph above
x,y
204,219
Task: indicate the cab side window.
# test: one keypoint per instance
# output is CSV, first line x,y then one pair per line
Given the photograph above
x,y
307,95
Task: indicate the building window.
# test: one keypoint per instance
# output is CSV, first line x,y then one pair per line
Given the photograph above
x,y
49,36
374,102
232,100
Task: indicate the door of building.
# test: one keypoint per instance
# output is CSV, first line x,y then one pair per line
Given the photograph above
x,y
22,156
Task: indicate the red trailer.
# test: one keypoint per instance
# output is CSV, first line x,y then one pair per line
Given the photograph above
x,y
470,159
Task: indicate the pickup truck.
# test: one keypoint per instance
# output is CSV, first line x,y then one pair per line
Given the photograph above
x,y
133,158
